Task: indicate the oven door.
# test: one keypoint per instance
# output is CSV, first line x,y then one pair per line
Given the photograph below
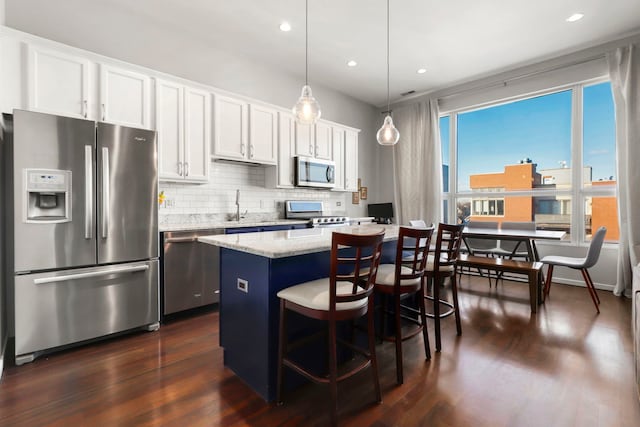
x,y
315,173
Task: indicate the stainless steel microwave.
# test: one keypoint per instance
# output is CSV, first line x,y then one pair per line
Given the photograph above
x,y
315,172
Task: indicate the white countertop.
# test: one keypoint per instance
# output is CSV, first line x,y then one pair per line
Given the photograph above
x,y
228,224
286,243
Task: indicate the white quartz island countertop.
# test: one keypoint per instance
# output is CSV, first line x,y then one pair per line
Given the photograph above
x,y
287,243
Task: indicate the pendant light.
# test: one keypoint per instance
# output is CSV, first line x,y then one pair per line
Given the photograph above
x,y
307,109
388,134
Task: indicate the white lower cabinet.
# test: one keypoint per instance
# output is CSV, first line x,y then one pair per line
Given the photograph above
x,y
183,121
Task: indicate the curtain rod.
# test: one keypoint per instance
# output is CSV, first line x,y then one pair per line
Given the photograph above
x,y
504,82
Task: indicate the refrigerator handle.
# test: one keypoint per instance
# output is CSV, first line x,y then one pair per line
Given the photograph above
x,y
105,192
88,192
115,270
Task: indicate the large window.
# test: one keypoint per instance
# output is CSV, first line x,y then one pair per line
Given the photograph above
x,y
548,158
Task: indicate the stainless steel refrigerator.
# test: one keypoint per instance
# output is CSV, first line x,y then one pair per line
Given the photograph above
x,y
82,231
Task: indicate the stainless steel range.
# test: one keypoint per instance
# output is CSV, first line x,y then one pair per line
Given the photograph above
x,y
313,211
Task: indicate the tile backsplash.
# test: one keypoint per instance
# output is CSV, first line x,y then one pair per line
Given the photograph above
x,y
216,199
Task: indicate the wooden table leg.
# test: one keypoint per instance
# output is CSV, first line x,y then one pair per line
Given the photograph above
x,y
534,290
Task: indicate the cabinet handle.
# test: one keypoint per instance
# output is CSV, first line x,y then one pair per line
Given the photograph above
x,y
251,151
242,149
104,112
197,295
186,169
86,108
311,149
317,150
180,168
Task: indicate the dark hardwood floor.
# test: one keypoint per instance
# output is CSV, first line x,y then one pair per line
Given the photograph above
x,y
565,366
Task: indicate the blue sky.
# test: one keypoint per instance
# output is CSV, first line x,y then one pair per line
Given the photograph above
x,y
537,128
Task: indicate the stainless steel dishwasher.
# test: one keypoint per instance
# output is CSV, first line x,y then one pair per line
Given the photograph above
x,y
191,270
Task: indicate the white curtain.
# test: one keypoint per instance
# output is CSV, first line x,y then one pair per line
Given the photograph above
x,y
624,70
417,163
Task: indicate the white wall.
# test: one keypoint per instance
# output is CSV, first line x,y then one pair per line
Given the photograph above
x,y
110,31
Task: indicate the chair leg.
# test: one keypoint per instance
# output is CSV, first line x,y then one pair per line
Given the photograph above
x,y
383,308
398,338
591,288
423,319
333,372
281,351
372,349
436,281
456,308
547,284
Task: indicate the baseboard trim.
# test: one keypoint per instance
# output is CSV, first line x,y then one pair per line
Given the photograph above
x,y
580,283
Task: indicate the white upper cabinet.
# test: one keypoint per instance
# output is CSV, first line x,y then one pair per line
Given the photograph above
x,y
58,83
282,176
304,140
338,157
323,144
197,134
183,121
125,97
263,134
230,128
351,160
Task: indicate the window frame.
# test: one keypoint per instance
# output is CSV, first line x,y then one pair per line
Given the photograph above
x,y
578,193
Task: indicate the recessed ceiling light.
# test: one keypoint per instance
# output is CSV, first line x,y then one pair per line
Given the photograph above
x,y
285,26
575,17
352,63
422,70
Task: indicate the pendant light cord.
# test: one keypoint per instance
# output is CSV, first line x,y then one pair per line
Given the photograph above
x,y
388,101
306,43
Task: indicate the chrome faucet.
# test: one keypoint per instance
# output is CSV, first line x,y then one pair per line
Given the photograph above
x,y
238,204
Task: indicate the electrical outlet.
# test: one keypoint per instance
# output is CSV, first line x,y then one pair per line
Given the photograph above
x,y
243,285
338,203
169,203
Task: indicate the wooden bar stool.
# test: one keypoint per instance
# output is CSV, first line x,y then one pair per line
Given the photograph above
x,y
346,294
440,265
402,279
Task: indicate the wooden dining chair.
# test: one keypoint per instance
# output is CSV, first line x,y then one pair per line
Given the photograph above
x,y
346,294
399,281
440,265
582,264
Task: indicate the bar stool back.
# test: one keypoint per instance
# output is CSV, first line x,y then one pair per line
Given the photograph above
x,y
346,294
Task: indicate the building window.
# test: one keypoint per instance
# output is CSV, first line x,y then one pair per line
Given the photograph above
x,y
515,160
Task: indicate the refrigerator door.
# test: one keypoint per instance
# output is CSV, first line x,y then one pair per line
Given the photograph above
x,y
53,191
127,194
67,306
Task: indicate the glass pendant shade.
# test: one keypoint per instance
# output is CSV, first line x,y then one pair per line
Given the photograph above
x,y
388,134
307,109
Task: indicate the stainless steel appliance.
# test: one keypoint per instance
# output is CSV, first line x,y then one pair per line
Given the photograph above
x,y
315,172
191,276
83,230
313,211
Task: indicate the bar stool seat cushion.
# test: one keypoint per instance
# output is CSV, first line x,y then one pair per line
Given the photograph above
x,y
315,295
431,265
387,275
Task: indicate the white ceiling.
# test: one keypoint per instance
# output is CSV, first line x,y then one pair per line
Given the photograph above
x,y
455,40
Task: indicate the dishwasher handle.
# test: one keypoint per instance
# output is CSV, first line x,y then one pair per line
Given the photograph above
x,y
190,239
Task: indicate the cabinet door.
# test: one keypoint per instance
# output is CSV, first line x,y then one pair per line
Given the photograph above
x,y
58,83
263,142
286,149
350,160
304,140
230,128
169,117
125,97
323,144
338,157
197,134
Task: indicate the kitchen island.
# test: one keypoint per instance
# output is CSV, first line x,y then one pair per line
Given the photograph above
x,y
253,268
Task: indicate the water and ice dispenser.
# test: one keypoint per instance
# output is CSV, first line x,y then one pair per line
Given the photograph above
x,y
47,195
